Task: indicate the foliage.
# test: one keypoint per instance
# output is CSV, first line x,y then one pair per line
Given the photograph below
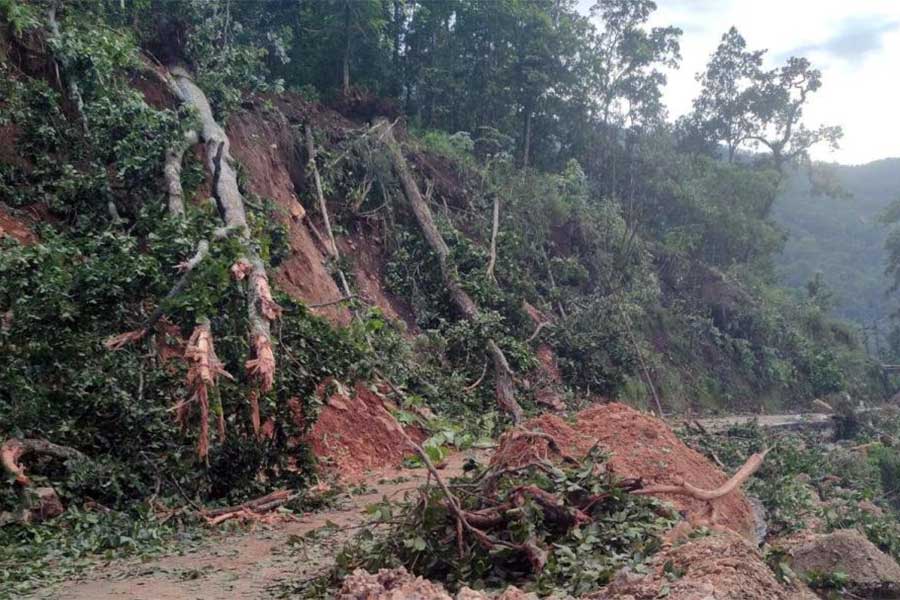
x,y
624,529
801,483
41,554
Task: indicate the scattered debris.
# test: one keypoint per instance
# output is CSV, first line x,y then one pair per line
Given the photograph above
x,y
398,584
250,510
641,447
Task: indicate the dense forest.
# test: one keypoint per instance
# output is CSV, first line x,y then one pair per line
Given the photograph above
x,y
842,236
245,249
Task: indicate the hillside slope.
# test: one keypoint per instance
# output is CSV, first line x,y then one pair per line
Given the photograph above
x,y
841,238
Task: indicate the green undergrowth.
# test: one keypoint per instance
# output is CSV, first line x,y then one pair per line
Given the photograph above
x,y
40,555
810,477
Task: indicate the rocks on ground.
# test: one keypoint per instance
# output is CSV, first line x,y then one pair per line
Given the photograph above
x,y
398,584
870,572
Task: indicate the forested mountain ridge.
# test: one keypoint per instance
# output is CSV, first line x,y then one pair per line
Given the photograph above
x,y
245,249
843,238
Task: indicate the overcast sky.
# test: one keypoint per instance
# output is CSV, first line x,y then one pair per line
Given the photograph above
x,y
855,43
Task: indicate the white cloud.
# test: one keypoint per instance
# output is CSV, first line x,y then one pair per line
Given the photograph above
x,y
856,45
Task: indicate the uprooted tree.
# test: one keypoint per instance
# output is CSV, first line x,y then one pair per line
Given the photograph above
x,y
503,374
204,366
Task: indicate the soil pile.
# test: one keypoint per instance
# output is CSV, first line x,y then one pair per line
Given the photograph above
x,y
871,573
268,151
15,228
355,434
641,446
720,566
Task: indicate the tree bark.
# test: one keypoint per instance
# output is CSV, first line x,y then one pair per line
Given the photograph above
x,y
495,228
323,208
14,449
63,62
504,386
261,310
345,75
526,144
172,172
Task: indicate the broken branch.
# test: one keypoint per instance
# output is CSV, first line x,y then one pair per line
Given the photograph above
x,y
14,449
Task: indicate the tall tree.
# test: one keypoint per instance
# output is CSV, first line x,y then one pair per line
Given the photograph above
x,y
743,105
722,111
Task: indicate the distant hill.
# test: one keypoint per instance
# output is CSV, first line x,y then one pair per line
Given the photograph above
x,y
841,237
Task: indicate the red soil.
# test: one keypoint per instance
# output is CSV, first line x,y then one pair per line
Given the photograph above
x,y
355,434
266,149
368,273
641,446
15,228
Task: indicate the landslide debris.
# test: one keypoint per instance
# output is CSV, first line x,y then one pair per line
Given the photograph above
x,y
640,447
862,569
721,566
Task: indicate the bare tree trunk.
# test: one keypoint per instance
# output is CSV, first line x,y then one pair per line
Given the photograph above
x,y
172,171
502,372
495,228
323,207
62,62
526,144
345,81
261,309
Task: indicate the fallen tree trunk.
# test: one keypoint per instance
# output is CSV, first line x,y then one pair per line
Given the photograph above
x,y
261,504
172,172
684,488
231,206
504,386
14,449
323,208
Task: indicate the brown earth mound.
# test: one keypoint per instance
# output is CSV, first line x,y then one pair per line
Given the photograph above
x,y
720,566
871,573
368,262
641,446
15,228
355,434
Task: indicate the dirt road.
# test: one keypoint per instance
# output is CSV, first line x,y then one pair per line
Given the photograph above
x,y
250,563
256,562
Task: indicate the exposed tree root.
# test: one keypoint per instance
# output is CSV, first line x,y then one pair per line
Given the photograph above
x,y
684,488
14,449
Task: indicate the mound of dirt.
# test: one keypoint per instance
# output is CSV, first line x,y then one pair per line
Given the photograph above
x,y
398,584
15,228
719,566
355,434
641,446
871,572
